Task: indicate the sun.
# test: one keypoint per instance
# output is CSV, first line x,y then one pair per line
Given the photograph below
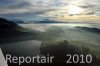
x,y
72,9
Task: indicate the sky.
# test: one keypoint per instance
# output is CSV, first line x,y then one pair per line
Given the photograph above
x,y
64,10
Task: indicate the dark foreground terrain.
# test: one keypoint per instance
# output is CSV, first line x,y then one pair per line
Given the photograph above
x,y
56,40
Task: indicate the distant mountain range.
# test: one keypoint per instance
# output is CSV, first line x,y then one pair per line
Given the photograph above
x,y
18,21
49,21
96,30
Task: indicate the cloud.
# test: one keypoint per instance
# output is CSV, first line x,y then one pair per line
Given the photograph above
x,y
87,6
34,8
26,15
23,8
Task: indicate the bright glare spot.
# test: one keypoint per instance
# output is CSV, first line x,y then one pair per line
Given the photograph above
x,y
72,9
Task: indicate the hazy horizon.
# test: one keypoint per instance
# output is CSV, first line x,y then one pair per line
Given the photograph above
x,y
63,10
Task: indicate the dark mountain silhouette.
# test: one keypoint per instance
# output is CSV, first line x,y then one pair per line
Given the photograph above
x,y
7,24
12,32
